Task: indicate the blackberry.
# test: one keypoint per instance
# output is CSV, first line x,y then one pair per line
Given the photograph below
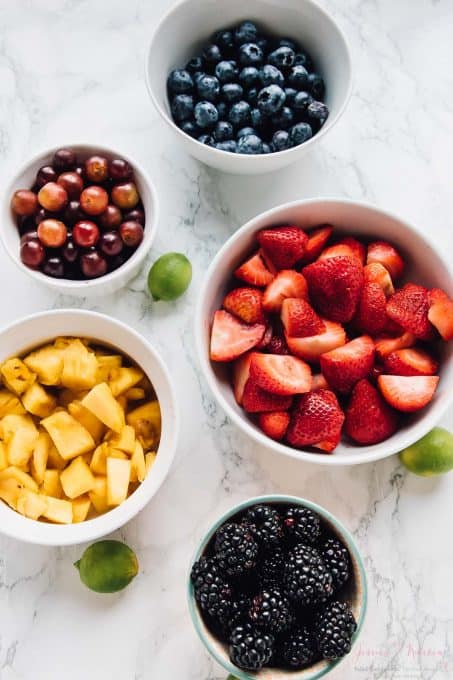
x,y
302,525
336,558
271,611
334,627
240,608
212,592
236,549
306,578
265,524
270,574
298,648
250,648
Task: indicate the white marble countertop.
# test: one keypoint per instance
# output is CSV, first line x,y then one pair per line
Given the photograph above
x,y
73,70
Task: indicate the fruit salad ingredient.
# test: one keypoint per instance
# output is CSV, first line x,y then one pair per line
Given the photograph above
x,y
430,455
369,420
408,393
169,277
107,566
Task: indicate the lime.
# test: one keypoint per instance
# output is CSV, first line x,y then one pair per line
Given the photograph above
x,y
169,277
431,455
107,566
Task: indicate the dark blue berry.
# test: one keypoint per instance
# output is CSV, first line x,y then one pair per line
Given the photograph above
x,y
206,114
283,119
256,118
206,139
230,145
197,75
250,54
301,101
271,99
282,57
290,94
222,108
252,96
289,42
208,88
264,43
232,92
212,54
303,59
300,133
249,76
298,77
195,64
224,39
265,148
245,131
223,131
182,107
250,144
280,140
190,128
226,71
245,32
271,75
240,114
316,85
318,111
180,82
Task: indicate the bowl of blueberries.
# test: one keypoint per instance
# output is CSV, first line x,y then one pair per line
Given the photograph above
x,y
248,93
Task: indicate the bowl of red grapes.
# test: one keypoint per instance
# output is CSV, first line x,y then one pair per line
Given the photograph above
x,y
80,219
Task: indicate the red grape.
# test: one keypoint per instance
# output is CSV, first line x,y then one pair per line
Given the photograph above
x,y
97,169
54,267
93,265
29,236
73,212
94,200
64,159
111,218
52,233
131,233
85,233
70,251
41,215
24,202
136,215
111,243
32,253
72,182
125,195
46,174
120,170
53,197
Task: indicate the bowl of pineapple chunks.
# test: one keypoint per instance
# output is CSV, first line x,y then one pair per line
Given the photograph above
x,y
88,426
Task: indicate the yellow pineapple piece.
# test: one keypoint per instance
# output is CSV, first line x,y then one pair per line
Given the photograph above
x,y
47,363
124,440
118,478
38,402
63,342
80,508
98,496
58,510
135,394
68,435
51,485
106,363
40,457
3,456
77,478
16,376
10,404
20,436
31,504
86,418
22,478
138,464
146,421
122,401
101,402
55,461
79,367
150,459
9,491
122,379
100,455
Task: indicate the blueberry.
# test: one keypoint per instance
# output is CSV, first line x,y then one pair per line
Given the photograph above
x,y
290,95
180,82
303,59
256,118
226,71
190,128
240,114
264,43
316,85
223,131
206,114
232,92
252,96
271,75
230,145
224,39
245,32
249,76
265,148
206,139
250,54
182,107
197,75
299,133
245,131
280,140
282,57
283,119
195,64
250,144
271,99
301,101
318,111
288,42
298,77
208,87
222,108
212,54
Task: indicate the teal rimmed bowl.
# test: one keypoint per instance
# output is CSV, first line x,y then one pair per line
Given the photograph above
x,y
356,593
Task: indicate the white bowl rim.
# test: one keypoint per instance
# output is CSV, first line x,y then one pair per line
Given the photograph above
x,y
414,433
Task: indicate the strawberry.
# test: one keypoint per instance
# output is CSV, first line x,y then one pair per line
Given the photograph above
x,y
287,283
368,418
409,307
317,239
357,247
277,345
408,393
410,362
371,315
318,382
274,424
254,271
334,285
267,337
256,400
386,345
312,347
230,337
387,255
316,421
300,319
440,312
283,245
346,365
246,303
347,246
375,272
241,373
280,374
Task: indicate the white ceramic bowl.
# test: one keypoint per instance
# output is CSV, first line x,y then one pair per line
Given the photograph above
x,y
104,285
189,24
424,266
33,331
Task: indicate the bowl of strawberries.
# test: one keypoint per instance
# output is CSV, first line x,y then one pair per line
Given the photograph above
x,y
323,331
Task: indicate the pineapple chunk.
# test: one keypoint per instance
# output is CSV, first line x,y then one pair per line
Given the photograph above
x,y
31,504
106,362
51,485
89,421
58,510
68,435
22,478
55,461
146,421
138,464
101,402
62,343
100,455
80,508
77,478
150,460
135,394
122,379
124,440
40,457
38,402
122,402
118,478
79,367
47,363
9,491
16,376
10,404
98,496
20,436
3,457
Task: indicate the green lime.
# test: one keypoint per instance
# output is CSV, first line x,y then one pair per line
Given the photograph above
x,y
107,566
431,455
169,277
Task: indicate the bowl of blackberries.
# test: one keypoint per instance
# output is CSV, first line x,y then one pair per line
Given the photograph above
x,y
80,219
277,589
248,93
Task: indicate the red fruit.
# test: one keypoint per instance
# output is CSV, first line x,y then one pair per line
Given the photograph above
x,y
280,374
440,312
316,421
131,233
387,255
241,373
375,272
277,345
283,245
52,233
230,337
312,347
256,400
94,200
334,285
318,382
317,239
125,195
368,418
246,304
254,271
348,247
371,315
265,340
410,362
300,319
409,307
52,197
24,202
85,233
408,393
72,183
287,284
345,366
274,424
357,247
385,345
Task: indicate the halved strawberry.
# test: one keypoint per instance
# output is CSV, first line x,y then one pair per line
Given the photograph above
x,y
318,382
241,373
384,253
277,345
254,271
344,366
375,272
274,424
256,400
300,319
283,245
347,246
316,421
409,307
440,312
369,420
408,393
287,283
357,247
312,347
334,285
280,374
371,315
230,337
385,345
246,303
410,362
317,239
267,337
336,250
